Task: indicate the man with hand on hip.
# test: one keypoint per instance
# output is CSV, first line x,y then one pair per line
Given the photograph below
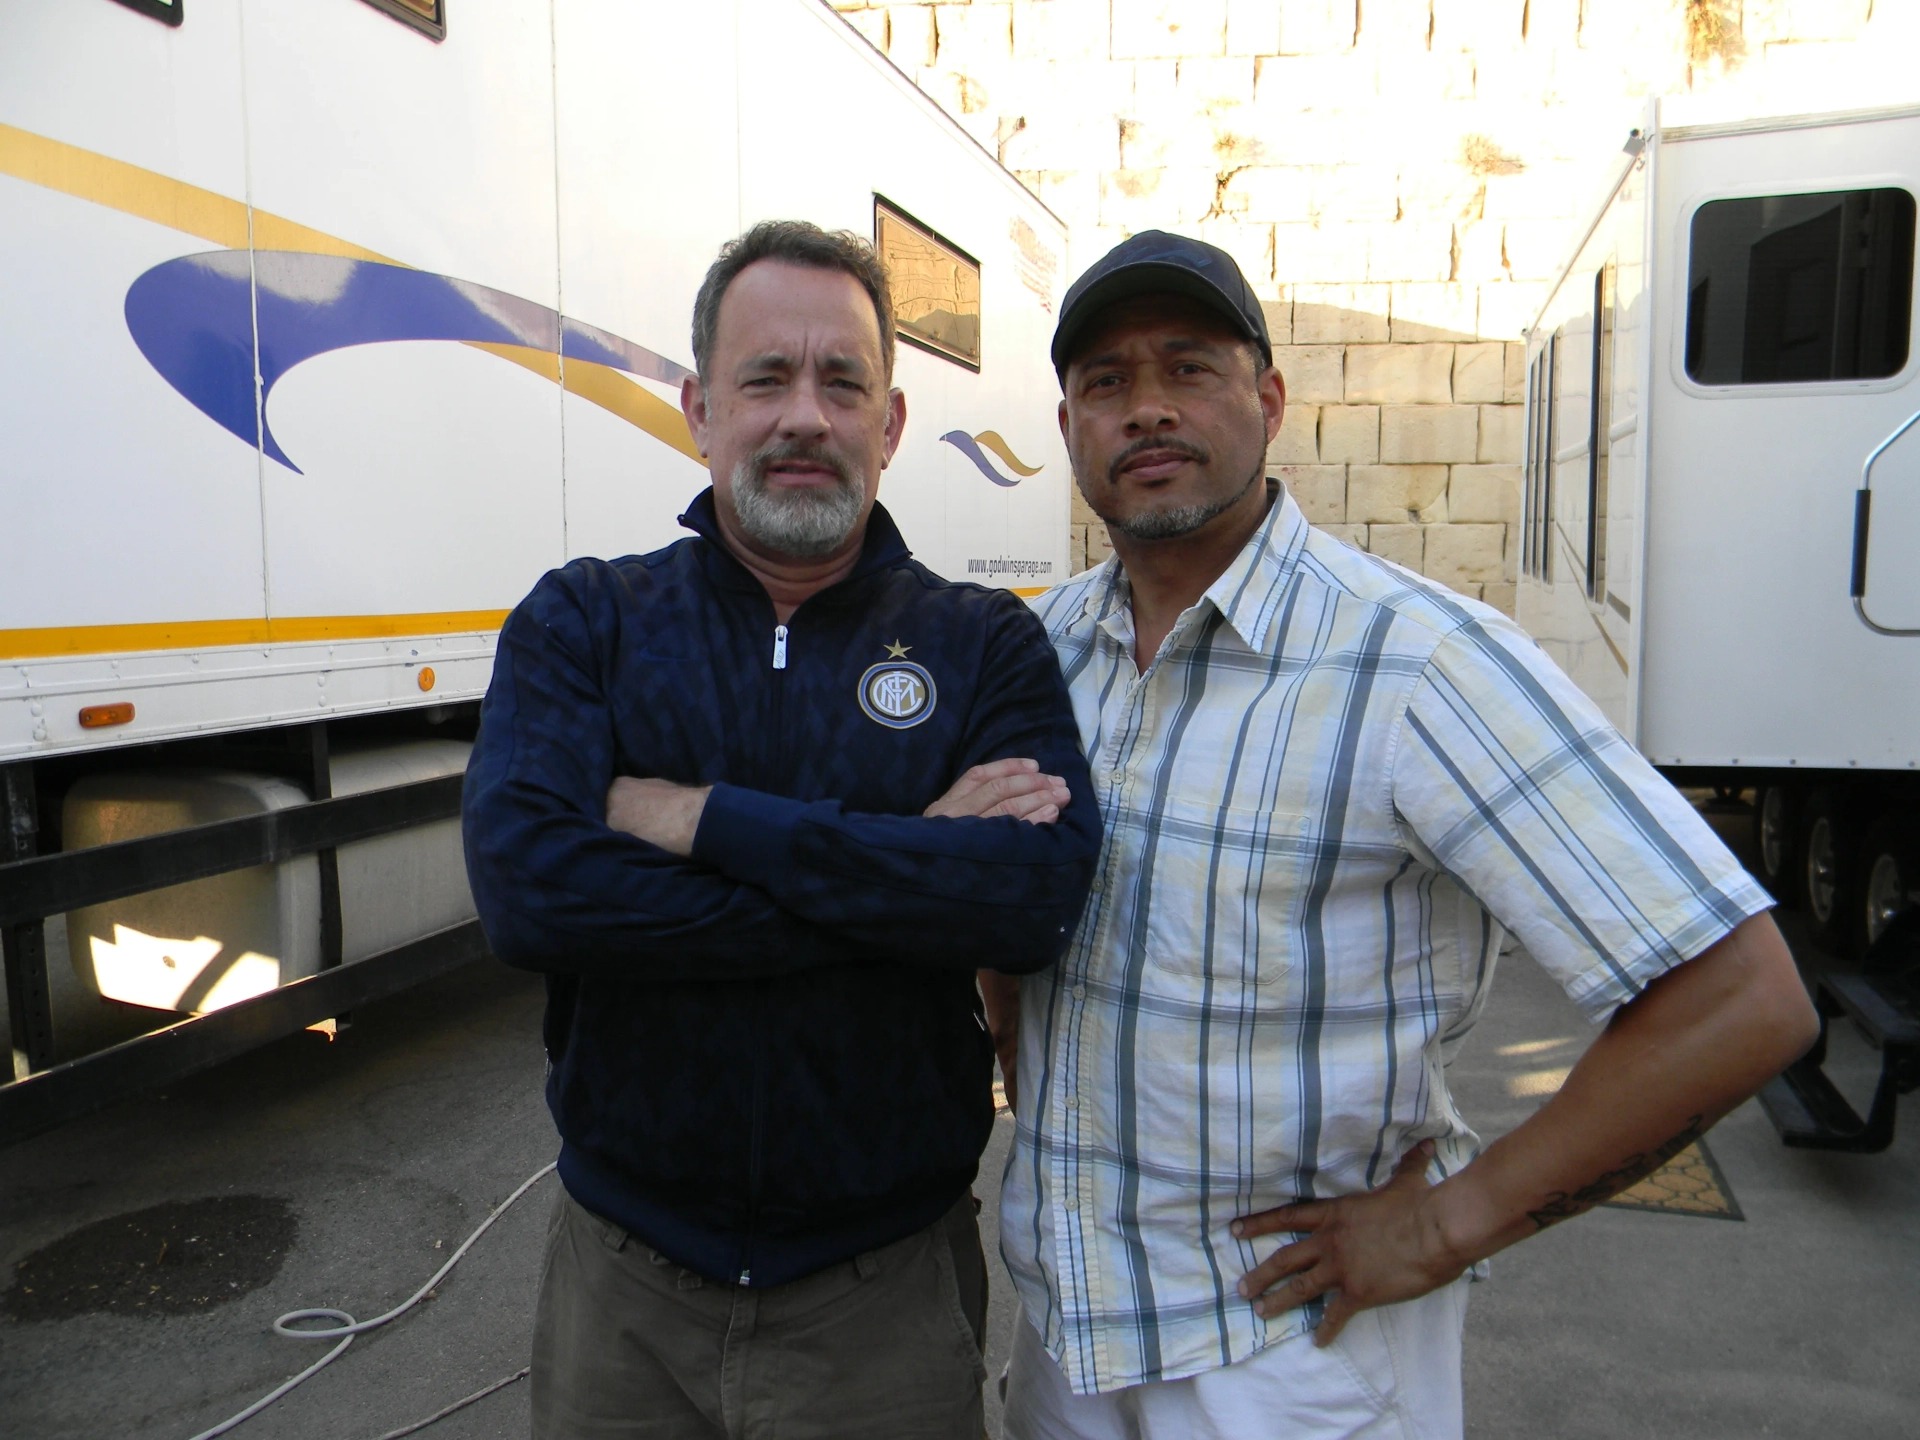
x,y
757,805
1330,788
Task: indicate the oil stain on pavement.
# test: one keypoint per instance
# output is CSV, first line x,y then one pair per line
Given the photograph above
x,y
179,1258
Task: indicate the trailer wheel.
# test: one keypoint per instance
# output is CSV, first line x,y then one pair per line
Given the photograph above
x,y
1827,871
1889,876
1774,822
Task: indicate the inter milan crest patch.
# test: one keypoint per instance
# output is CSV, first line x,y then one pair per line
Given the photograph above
x,y
897,693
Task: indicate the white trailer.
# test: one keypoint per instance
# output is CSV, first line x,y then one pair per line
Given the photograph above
x,y
327,327
1721,504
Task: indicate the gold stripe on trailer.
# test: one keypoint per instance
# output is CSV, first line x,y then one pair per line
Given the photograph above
x,y
213,634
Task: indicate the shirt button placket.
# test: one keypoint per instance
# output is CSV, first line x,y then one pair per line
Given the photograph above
x,y
1066,1174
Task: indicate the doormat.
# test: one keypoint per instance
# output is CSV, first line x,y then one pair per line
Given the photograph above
x,y
1688,1184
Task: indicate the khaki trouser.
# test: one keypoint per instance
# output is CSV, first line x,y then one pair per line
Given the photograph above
x,y
626,1343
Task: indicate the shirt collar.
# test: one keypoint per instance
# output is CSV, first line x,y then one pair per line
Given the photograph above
x,y
1248,592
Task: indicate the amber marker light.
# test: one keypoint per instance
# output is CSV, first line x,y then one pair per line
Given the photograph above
x,y
93,717
426,677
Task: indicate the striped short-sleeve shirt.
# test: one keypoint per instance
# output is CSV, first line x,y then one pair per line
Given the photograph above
x,y
1331,795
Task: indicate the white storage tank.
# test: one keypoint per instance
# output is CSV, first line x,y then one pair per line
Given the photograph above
x,y
396,888
208,943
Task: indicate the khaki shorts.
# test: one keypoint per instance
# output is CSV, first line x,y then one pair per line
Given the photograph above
x,y
626,1343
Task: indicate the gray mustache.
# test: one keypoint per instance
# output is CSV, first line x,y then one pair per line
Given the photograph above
x,y
772,455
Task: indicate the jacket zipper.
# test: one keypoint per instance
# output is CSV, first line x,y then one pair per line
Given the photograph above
x,y
757,1132
757,1135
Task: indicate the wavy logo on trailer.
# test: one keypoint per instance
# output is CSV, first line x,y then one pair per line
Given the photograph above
x,y
195,320
974,447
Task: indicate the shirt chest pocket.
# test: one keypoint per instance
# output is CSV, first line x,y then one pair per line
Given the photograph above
x,y
1224,898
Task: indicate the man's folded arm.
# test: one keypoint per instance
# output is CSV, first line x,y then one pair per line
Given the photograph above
x,y
556,888
948,892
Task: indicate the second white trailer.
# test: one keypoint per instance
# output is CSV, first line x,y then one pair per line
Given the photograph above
x,y
1721,524
1714,368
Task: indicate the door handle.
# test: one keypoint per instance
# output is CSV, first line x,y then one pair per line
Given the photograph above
x,y
1862,524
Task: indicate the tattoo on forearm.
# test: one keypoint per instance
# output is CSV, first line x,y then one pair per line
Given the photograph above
x,y
1635,1168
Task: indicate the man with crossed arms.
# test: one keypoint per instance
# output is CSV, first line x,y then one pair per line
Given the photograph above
x,y
1330,788
755,804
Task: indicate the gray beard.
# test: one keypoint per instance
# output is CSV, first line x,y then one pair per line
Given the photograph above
x,y
802,524
1184,519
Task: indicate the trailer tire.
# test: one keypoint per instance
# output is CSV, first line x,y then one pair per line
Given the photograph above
x,y
1827,872
1776,825
1889,872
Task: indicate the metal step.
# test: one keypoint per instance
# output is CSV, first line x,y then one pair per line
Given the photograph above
x,y
1811,1114
1805,1106
1881,1012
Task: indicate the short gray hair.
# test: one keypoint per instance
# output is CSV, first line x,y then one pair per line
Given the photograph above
x,y
793,242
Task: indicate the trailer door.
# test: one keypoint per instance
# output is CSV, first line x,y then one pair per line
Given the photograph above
x,y
1787,337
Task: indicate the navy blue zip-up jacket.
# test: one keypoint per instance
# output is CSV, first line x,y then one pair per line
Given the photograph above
x,y
770,1057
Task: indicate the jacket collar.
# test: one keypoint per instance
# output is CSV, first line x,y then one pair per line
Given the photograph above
x,y
882,548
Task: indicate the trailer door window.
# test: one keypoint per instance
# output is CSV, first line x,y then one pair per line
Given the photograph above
x,y
1537,553
1784,288
1599,432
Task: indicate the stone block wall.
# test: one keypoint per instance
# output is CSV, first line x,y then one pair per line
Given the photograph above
x,y
1398,179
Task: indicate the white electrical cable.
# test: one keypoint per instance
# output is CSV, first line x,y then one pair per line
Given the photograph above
x,y
349,1327
485,1390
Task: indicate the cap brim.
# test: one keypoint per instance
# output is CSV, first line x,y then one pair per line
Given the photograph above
x,y
1149,277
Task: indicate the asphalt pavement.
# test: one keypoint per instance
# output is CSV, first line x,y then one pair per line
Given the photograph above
x,y
364,1160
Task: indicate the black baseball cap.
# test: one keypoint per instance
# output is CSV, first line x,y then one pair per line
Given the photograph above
x,y
1156,263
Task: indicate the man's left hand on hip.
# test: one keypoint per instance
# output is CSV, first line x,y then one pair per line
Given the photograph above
x,y
1376,1248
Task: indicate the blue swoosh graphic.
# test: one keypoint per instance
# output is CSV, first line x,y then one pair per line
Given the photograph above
x,y
194,317
970,448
